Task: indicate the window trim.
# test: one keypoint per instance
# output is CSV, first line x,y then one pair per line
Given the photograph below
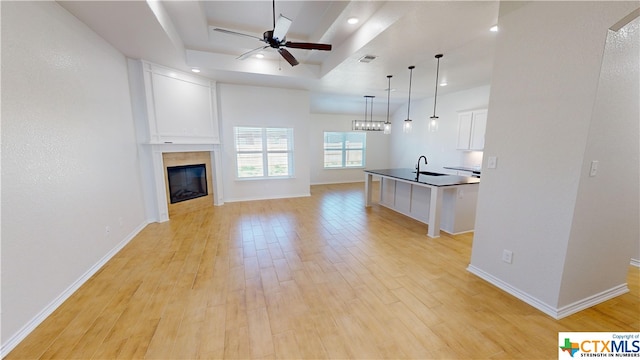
x,y
344,150
265,154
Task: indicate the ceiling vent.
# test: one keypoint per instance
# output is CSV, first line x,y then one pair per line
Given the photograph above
x,y
367,58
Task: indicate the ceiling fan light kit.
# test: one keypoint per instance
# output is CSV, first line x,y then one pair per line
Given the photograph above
x,y
277,39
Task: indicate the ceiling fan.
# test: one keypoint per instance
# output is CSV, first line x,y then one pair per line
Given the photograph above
x,y
276,39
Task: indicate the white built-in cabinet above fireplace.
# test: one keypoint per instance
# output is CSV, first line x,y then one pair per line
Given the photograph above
x,y
181,107
174,112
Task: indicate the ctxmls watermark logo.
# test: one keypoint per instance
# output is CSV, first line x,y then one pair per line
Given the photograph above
x,y
598,344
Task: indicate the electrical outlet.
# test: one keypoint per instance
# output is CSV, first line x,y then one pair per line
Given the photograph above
x,y
507,256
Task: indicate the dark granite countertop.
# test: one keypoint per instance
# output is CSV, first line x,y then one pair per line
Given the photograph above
x,y
410,175
463,168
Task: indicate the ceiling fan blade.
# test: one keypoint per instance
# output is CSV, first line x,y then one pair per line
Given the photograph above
x,y
281,28
287,56
308,46
251,52
225,31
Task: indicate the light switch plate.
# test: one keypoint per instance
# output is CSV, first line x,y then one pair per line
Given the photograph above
x,y
492,162
594,168
507,256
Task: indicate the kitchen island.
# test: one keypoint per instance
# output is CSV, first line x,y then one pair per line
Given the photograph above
x,y
439,200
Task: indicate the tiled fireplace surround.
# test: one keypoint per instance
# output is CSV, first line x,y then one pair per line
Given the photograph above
x,y
159,208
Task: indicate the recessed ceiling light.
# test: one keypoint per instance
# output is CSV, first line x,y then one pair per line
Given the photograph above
x,y
260,56
352,20
195,70
444,83
494,28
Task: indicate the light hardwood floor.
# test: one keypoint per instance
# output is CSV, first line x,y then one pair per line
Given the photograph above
x,y
315,277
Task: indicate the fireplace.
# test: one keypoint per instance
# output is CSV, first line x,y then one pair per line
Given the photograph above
x,y
187,175
156,158
187,182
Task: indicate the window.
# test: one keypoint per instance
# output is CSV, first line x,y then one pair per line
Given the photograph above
x,y
344,150
263,152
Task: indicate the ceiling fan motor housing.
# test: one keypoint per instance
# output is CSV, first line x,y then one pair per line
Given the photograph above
x,y
268,38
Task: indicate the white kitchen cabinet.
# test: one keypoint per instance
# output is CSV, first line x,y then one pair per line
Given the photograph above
x,y
471,129
181,108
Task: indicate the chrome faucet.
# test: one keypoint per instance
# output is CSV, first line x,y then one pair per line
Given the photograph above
x,y
418,166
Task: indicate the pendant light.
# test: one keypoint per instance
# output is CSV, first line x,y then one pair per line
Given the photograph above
x,y
433,123
367,124
408,126
387,124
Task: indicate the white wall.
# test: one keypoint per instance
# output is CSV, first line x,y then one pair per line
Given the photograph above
x,y
606,228
439,147
376,157
241,105
545,77
69,165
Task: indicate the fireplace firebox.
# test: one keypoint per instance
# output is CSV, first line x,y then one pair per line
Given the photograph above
x,y
187,182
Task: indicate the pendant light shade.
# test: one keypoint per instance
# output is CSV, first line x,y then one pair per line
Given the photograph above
x,y
408,123
433,122
387,124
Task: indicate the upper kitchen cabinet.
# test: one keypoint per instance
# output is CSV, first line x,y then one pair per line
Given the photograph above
x,y
179,107
471,129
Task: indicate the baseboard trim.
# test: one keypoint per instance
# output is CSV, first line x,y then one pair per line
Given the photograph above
x,y
457,233
16,338
340,182
268,197
635,262
592,300
556,313
536,303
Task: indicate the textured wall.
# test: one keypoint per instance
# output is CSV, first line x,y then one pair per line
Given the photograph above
x,y
69,162
241,105
605,231
545,79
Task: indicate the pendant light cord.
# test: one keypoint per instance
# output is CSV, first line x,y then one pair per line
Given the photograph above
x,y
274,13
409,102
388,95
435,97
366,107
